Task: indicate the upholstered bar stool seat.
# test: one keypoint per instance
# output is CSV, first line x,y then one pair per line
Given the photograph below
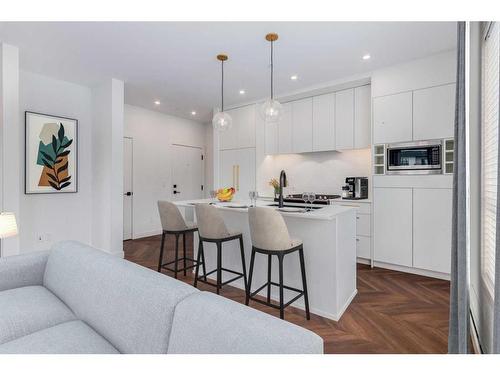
x,y
172,222
270,237
211,228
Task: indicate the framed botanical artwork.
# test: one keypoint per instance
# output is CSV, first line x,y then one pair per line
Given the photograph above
x,y
51,163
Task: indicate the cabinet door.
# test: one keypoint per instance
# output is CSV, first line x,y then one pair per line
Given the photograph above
x,y
285,130
302,125
392,118
242,133
434,112
363,247
324,122
271,135
362,116
227,168
432,229
344,119
228,139
392,225
246,126
245,172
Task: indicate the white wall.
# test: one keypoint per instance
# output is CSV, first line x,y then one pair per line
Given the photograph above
x,y
153,134
10,136
56,216
107,166
322,172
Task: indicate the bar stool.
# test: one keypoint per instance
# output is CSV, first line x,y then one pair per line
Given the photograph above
x,y
213,229
172,222
270,237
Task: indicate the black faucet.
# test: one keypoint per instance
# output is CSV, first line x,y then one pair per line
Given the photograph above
x,y
282,185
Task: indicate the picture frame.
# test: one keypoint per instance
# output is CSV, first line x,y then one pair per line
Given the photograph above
x,y
51,154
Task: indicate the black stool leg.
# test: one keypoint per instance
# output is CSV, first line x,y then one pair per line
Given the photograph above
x,y
184,251
304,284
198,257
161,251
203,261
176,254
269,263
282,309
242,250
250,274
219,266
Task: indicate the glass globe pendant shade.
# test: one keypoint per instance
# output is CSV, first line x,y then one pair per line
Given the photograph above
x,y
271,111
222,121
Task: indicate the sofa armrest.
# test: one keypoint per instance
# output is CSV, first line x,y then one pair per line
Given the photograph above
x,y
205,323
22,270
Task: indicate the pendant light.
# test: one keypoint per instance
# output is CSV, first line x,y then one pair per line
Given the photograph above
x,y
272,110
221,120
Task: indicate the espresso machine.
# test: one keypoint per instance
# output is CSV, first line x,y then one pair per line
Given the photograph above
x,y
355,188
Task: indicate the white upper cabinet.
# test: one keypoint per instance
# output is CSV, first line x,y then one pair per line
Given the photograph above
x,y
285,130
271,141
323,129
392,118
302,125
344,119
434,112
242,133
362,116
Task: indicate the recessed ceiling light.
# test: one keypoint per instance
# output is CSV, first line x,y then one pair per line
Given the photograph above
x,y
366,57
193,113
294,77
157,102
242,92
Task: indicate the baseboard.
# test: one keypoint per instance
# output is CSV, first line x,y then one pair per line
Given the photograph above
x,y
136,236
415,271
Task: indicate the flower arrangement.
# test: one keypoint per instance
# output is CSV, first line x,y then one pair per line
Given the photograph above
x,y
275,184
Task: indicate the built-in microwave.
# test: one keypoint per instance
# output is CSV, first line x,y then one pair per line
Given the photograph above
x,y
420,157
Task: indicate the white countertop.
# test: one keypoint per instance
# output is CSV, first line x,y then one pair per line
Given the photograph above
x,y
325,212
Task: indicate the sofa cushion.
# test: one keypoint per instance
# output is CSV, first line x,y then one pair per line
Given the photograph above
x,y
206,323
29,309
129,305
73,337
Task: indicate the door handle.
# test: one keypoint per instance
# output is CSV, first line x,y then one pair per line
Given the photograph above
x,y
176,192
238,178
128,193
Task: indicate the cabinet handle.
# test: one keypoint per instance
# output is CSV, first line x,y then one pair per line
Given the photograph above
x,y
238,177
357,239
234,166
357,217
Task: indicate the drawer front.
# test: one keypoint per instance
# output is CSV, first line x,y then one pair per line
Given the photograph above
x,y
363,225
363,247
363,208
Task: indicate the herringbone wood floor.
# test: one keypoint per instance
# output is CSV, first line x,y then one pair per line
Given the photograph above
x,y
393,312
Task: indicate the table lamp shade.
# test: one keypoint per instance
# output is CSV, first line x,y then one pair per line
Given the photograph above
x,y
8,226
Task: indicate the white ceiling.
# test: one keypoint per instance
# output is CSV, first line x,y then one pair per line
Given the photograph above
x,y
175,62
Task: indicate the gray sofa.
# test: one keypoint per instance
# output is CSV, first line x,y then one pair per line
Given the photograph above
x,y
75,299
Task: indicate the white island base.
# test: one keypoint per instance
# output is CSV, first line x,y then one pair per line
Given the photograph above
x,y
329,236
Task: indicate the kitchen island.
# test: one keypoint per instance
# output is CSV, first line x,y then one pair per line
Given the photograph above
x,y
329,236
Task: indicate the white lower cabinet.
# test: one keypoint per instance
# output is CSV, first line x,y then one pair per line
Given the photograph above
x,y
237,169
432,210
412,227
363,227
363,247
392,225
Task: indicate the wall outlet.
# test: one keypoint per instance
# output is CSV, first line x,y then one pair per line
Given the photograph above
x,y
44,237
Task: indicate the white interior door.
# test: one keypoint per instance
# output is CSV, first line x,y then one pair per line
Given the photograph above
x,y
128,193
187,173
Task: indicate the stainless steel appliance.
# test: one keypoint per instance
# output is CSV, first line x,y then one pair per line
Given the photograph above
x,y
421,157
324,199
358,188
